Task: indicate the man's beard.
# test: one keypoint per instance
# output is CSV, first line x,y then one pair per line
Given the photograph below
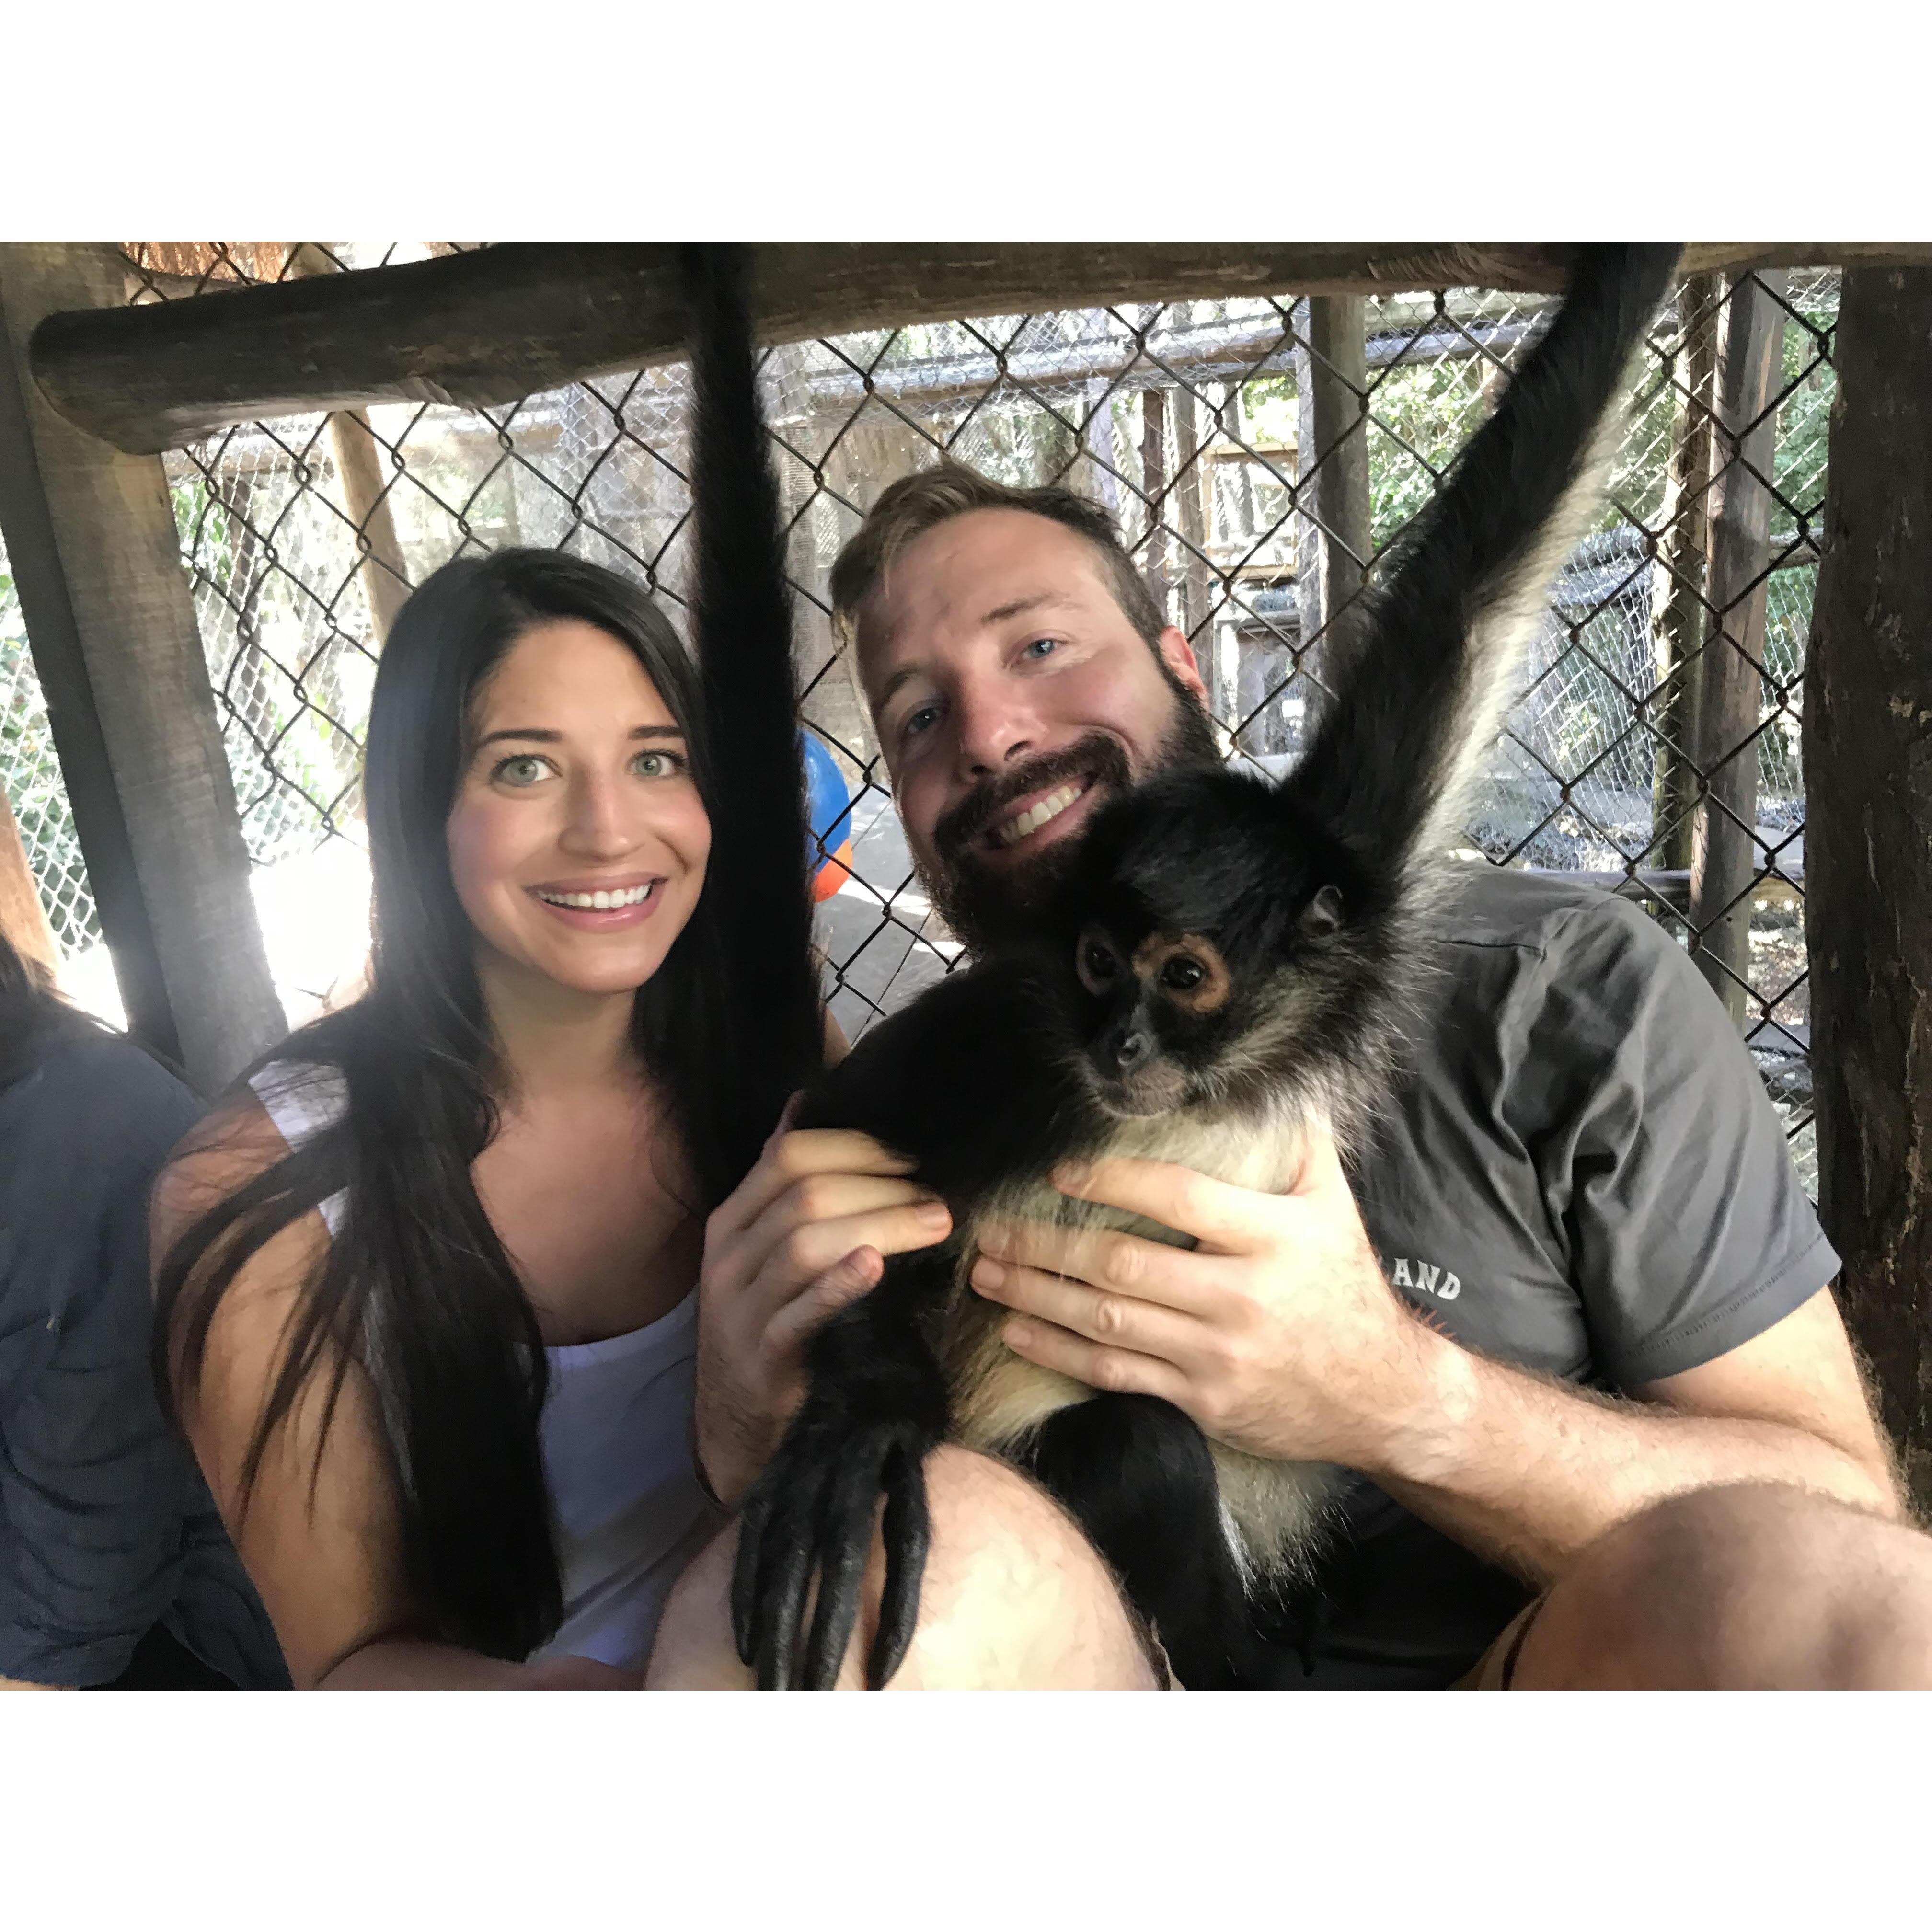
x,y
988,909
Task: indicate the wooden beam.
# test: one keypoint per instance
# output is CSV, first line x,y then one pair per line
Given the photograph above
x,y
1868,844
1153,488
100,822
1678,579
490,326
1724,856
1332,479
1190,518
91,537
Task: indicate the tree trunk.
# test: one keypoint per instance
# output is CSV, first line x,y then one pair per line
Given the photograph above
x,y
1188,471
1153,485
1332,482
1724,854
1097,439
1677,582
358,471
1868,844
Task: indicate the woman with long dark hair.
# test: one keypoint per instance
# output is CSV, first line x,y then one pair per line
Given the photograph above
x,y
426,1309
426,1303
433,1206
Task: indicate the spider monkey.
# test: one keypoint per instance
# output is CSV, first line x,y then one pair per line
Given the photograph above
x,y
1230,962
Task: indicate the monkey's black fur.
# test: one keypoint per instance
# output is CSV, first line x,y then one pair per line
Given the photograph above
x,y
1229,962
741,622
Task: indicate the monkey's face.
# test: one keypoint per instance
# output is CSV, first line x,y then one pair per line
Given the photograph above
x,y
1158,1008
1211,943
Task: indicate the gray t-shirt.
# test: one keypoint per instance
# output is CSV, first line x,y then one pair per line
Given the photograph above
x,y
1579,1171
106,1528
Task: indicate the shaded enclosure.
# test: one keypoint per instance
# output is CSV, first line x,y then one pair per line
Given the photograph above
x,y
1262,421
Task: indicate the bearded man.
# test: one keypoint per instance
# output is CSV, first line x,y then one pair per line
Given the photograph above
x,y
1569,1318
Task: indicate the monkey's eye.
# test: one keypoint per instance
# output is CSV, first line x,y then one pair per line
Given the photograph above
x,y
1181,974
1096,962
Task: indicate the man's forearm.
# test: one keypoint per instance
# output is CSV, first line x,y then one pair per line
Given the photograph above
x,y
406,1663
1527,1472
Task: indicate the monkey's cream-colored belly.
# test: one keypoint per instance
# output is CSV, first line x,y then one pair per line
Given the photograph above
x,y
1273,1510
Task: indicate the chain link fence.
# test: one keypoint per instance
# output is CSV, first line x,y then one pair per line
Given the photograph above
x,y
300,535
35,788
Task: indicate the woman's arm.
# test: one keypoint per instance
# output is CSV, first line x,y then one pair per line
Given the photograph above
x,y
319,1535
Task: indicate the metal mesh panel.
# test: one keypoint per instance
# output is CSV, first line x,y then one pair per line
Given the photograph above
x,y
1183,418
35,789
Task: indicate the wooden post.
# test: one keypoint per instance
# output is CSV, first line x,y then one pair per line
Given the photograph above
x,y
96,559
1678,580
1096,438
1153,485
358,469
1331,475
1868,844
1724,859
1187,489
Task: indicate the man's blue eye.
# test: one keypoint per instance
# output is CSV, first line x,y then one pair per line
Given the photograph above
x,y
1040,646
926,712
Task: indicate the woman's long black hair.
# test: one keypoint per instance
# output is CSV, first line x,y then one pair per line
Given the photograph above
x,y
416,1287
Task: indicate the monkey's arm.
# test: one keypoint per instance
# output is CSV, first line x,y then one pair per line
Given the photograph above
x,y
967,1081
962,1081
876,1408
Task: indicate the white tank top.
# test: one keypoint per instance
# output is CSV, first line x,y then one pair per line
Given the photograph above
x,y
615,1432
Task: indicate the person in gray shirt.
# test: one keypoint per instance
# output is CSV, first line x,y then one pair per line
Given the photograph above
x,y
114,1567
1574,1299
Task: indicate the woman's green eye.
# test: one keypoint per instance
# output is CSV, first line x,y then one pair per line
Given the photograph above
x,y
656,764
524,771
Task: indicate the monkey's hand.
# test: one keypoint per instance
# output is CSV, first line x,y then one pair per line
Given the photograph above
x,y
876,1408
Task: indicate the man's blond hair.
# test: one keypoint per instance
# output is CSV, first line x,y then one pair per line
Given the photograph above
x,y
907,509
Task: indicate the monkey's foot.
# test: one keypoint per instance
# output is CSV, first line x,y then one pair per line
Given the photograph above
x,y
811,1514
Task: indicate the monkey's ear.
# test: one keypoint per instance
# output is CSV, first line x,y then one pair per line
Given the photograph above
x,y
1322,913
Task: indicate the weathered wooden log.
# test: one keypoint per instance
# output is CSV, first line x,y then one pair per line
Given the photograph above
x,y
1725,854
1153,488
1678,579
1868,844
1191,522
1331,478
91,537
491,325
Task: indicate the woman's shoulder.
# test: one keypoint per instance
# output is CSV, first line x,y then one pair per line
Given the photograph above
x,y
238,1140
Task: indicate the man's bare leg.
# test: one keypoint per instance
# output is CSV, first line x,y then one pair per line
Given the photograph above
x,y
1757,1586
1014,1597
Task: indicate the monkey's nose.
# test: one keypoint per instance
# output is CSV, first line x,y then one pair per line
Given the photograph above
x,y
1134,1048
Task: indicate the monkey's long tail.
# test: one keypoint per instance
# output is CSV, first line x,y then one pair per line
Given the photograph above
x,y
1421,692
763,985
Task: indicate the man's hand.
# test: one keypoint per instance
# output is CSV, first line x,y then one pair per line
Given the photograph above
x,y
1277,1334
807,1231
